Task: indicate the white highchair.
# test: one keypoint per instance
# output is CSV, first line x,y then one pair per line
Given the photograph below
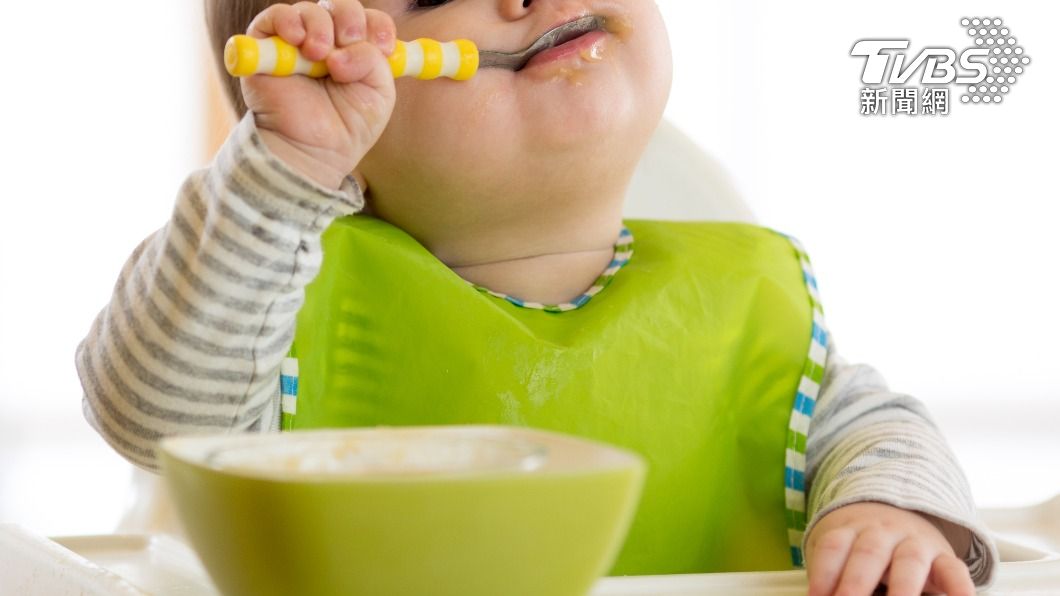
x,y
676,180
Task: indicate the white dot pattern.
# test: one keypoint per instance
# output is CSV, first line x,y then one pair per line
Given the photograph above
x,y
989,33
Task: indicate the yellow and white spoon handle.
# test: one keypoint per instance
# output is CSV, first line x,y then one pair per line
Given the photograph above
x,y
422,58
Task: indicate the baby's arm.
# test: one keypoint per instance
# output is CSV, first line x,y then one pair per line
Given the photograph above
x,y
203,313
866,446
204,310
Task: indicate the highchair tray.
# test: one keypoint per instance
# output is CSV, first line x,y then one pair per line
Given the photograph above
x,y
159,564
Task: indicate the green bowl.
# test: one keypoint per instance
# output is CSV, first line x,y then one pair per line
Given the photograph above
x,y
442,510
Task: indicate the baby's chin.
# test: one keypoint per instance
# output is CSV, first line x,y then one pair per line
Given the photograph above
x,y
568,117
561,106
597,87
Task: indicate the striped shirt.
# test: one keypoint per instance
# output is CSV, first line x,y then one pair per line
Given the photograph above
x,y
203,314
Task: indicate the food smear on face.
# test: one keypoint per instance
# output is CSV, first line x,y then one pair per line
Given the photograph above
x,y
570,59
620,26
593,53
570,50
575,75
589,48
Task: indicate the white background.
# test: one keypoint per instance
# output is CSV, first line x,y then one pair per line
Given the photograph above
x,y
933,239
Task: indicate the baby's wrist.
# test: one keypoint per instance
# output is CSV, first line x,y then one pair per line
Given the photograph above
x,y
305,162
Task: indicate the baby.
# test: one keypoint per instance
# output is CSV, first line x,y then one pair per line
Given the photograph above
x,y
368,251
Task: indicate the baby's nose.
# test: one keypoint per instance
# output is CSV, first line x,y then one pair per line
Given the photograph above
x,y
514,9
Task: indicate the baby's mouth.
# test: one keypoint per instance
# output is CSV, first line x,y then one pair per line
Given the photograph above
x,y
554,37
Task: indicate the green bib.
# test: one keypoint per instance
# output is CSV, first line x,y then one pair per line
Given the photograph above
x,y
703,353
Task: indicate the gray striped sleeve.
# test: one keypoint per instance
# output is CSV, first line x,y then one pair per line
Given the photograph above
x,y
203,312
867,443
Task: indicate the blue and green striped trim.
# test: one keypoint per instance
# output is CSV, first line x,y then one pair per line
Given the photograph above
x,y
802,411
288,392
623,253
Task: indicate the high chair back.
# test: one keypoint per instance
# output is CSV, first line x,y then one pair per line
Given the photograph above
x,y
677,180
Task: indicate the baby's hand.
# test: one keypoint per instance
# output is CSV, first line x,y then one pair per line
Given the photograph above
x,y
854,548
323,127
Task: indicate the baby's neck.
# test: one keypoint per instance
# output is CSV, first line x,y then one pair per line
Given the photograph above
x,y
549,279
552,260
547,252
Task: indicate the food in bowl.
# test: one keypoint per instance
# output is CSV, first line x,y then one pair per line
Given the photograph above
x,y
382,453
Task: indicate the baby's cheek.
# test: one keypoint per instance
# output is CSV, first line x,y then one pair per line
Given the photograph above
x,y
482,108
653,41
458,120
420,140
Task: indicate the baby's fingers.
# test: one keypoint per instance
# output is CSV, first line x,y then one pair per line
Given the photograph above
x,y
869,558
320,30
359,62
950,575
827,557
909,569
362,61
279,19
349,20
354,22
305,25
381,30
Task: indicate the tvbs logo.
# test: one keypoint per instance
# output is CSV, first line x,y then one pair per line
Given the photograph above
x,y
939,64
988,68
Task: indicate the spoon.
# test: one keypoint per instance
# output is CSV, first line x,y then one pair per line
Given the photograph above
x,y
423,58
